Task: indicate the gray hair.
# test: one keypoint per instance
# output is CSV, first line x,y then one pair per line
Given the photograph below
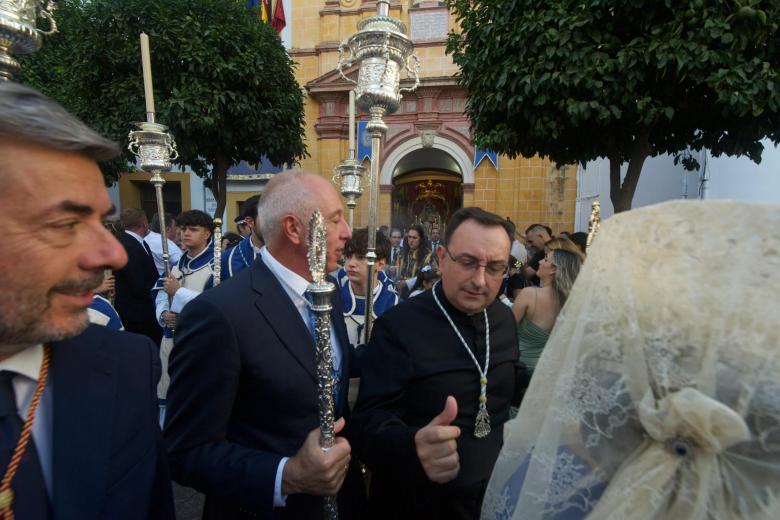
x,y
28,115
287,193
539,230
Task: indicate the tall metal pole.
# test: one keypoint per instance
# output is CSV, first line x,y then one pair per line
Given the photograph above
x,y
382,49
377,129
320,292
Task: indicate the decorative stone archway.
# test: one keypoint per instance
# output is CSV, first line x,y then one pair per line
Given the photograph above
x,y
416,143
424,157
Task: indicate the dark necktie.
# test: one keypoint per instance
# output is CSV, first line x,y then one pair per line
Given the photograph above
x,y
30,498
147,248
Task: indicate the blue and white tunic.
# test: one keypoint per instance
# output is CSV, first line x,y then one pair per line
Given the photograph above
x,y
354,307
103,313
195,274
237,258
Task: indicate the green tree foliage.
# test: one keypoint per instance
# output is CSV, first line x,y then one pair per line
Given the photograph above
x,y
621,79
223,82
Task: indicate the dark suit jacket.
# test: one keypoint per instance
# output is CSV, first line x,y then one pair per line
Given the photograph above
x,y
134,282
108,460
243,395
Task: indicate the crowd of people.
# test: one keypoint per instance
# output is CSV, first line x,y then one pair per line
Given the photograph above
x,y
642,381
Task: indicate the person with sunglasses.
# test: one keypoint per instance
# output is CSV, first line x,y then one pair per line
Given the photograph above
x,y
438,375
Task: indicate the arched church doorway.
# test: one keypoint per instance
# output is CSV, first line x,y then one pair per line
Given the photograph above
x,y
427,189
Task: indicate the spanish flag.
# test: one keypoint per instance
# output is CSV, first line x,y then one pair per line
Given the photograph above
x,y
265,11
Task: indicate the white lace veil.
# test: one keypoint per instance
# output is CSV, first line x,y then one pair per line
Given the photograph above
x,y
658,393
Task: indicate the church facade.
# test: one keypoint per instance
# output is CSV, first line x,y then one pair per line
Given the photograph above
x,y
427,161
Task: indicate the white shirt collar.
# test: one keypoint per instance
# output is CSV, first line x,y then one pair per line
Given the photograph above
x,y
26,363
254,247
135,236
293,280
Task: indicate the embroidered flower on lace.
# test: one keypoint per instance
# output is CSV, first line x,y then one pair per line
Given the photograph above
x,y
570,484
671,369
597,403
498,506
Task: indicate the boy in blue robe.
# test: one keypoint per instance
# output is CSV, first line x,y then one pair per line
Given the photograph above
x,y
352,280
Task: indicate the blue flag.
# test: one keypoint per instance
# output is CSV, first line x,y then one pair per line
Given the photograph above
x,y
479,155
363,142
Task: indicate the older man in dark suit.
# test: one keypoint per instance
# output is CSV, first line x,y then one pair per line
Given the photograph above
x,y
243,416
91,446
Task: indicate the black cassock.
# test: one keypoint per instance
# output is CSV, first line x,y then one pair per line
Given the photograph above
x,y
412,363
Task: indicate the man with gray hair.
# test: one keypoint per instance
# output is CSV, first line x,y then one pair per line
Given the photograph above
x,y
243,409
78,401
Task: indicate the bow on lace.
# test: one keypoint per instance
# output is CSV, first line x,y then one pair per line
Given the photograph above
x,y
671,474
689,415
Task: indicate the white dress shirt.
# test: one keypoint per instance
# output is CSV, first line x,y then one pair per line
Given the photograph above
x,y
27,367
155,244
136,236
295,287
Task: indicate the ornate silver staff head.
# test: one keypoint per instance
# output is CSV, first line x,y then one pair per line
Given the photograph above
x,y
319,288
382,49
18,34
153,146
349,177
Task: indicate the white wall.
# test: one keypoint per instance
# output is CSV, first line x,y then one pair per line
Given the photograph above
x,y
736,178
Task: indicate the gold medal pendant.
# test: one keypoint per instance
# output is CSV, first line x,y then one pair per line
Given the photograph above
x,y
482,424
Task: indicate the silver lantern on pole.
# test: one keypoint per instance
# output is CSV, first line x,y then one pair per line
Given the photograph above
x,y
320,292
350,173
382,50
155,150
18,31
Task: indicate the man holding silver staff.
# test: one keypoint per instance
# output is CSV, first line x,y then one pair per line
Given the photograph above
x,y
437,379
243,418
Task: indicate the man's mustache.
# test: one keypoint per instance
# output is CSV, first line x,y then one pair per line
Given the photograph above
x,y
79,287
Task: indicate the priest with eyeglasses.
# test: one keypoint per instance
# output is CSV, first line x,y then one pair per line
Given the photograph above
x,y
437,381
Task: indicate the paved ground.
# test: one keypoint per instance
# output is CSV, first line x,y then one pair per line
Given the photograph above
x,y
189,503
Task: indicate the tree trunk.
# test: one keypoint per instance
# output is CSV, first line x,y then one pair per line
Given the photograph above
x,y
622,195
219,183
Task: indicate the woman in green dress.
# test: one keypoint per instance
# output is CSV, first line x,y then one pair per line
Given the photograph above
x,y
537,308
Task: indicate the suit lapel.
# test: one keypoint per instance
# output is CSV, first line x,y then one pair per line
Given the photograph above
x,y
283,317
83,390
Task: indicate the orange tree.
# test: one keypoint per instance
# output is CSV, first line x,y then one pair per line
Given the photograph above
x,y
575,80
223,82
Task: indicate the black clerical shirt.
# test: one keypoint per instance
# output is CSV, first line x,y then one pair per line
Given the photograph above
x,y
412,363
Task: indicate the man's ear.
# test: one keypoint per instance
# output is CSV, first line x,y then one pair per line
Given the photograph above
x,y
293,230
380,263
440,250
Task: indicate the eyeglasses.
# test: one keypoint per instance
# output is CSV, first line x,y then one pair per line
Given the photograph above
x,y
469,263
